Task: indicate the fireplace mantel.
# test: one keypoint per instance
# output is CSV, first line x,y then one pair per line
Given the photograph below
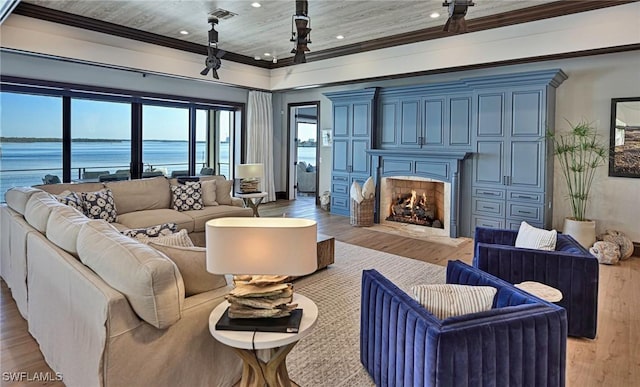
x,y
438,165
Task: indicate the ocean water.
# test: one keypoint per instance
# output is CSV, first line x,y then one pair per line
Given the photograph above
x,y
25,164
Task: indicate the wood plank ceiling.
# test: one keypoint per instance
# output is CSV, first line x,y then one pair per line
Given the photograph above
x,y
254,32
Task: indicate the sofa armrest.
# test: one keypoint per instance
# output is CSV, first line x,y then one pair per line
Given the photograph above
x,y
238,202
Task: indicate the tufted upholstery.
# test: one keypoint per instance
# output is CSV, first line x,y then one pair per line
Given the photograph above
x,y
520,342
570,269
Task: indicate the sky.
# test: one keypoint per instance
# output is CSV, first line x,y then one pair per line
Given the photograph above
x,y
24,115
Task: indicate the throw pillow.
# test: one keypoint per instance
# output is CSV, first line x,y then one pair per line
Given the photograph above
x,y
100,205
368,189
71,199
356,192
192,264
151,232
530,237
449,300
209,192
310,168
187,197
223,191
180,238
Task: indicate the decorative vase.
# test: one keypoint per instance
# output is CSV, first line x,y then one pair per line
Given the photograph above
x,y
583,231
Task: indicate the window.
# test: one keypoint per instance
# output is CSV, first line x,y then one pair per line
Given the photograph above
x,y
165,141
31,146
224,143
100,139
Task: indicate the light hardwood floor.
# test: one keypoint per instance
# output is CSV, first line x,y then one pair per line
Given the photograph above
x,y
612,359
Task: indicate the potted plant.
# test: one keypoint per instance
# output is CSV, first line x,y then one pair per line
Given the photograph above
x,y
580,154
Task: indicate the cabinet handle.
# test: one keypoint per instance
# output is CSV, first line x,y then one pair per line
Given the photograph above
x,y
525,212
504,180
487,208
508,180
421,140
488,193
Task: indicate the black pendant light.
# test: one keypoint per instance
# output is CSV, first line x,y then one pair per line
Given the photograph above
x,y
300,31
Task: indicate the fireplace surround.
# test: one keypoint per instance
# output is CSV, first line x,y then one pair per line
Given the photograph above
x,y
422,167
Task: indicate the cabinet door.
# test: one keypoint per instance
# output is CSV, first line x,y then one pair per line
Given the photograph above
x,y
388,123
434,122
490,116
361,125
526,113
341,120
460,121
527,161
341,154
359,156
410,128
488,162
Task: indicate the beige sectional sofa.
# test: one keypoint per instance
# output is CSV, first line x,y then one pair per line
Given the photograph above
x,y
106,309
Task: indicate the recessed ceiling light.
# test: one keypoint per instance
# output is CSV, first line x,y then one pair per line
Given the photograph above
x,y
267,54
257,57
256,4
434,15
339,37
184,32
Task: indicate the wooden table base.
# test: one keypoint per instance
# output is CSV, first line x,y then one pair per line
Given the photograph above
x,y
272,373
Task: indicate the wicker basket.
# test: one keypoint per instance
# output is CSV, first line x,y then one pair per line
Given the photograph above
x,y
362,213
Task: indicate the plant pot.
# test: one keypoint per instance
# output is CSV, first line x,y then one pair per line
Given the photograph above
x,y
582,231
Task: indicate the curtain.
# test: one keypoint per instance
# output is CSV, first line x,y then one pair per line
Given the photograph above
x,y
260,138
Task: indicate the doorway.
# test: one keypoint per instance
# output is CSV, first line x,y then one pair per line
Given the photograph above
x,y
304,155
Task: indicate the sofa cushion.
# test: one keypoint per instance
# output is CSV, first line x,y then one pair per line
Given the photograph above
x,y
39,208
71,199
209,193
17,198
140,194
152,231
57,189
151,282
100,205
530,237
223,191
63,227
181,239
448,300
188,196
147,218
191,262
200,217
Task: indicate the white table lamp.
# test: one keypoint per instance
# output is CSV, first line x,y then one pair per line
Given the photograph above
x,y
271,246
249,175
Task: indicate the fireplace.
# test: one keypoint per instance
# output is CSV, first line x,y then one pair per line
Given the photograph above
x,y
418,203
426,172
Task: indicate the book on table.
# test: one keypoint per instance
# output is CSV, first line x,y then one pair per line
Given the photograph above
x,y
288,324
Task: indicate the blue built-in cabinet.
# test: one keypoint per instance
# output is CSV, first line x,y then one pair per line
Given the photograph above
x,y
501,120
352,134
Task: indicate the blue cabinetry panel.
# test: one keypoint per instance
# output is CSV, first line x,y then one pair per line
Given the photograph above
x,y
360,160
340,121
410,129
340,154
489,162
490,114
434,122
388,123
460,119
526,164
400,167
526,113
361,120
435,170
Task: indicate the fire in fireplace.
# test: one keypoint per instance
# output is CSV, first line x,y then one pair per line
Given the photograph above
x,y
414,209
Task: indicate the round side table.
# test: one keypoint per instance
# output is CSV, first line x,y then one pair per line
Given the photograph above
x,y
256,372
252,201
541,290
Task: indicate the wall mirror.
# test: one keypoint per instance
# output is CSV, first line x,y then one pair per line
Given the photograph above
x,y
624,155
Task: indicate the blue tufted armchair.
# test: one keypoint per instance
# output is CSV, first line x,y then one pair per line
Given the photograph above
x,y
570,269
521,341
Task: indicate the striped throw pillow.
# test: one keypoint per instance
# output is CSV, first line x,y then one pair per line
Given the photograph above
x,y
449,300
530,237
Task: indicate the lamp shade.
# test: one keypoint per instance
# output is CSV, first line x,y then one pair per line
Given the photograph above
x,y
271,246
249,170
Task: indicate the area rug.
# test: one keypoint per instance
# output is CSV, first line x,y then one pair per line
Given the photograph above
x,y
330,355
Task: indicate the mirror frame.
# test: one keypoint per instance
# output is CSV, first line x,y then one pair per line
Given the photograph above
x,y
635,172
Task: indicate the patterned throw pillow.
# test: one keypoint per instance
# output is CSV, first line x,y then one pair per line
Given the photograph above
x,y
448,300
530,237
187,197
71,199
100,205
179,239
151,232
